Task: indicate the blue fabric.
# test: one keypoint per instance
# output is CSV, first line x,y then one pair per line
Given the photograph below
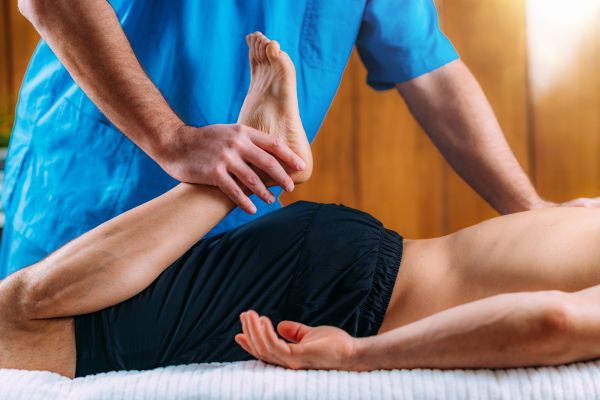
x,y
69,169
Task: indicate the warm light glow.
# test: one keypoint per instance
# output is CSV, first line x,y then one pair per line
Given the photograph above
x,y
557,32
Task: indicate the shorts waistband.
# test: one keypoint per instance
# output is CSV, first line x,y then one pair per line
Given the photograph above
x,y
372,311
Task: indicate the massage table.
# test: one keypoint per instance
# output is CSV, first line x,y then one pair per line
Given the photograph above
x,y
256,380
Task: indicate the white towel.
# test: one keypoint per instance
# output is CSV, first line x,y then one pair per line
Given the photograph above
x,y
255,380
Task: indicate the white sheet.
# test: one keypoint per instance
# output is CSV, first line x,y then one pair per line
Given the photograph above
x,y
255,380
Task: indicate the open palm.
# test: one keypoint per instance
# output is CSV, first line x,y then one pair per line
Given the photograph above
x,y
322,347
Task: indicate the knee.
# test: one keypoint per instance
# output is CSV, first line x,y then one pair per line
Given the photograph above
x,y
16,306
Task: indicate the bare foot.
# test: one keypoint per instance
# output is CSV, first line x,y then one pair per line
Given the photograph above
x,y
271,104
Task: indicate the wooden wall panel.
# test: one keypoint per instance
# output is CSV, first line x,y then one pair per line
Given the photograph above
x,y
490,37
371,154
24,39
564,41
6,109
17,42
334,150
400,171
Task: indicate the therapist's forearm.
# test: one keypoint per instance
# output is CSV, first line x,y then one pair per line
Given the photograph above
x,y
87,38
455,113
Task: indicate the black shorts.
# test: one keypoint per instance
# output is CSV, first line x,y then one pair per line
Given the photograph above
x,y
319,264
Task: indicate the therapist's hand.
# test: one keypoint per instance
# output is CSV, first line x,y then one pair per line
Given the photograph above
x,y
227,156
88,39
584,202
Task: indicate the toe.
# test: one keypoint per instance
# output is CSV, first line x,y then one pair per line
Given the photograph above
x,y
257,47
264,42
251,40
273,51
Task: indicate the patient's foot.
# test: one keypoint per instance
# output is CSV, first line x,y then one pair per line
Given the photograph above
x,y
271,104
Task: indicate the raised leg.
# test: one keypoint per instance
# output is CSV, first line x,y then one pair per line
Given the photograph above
x,y
121,257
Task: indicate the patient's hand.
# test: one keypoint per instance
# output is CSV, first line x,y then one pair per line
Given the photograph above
x,y
322,347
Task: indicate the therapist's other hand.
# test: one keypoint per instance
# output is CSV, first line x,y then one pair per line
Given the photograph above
x,y
321,347
226,156
584,202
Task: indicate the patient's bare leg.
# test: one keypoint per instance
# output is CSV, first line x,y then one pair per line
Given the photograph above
x,y
271,104
549,249
120,258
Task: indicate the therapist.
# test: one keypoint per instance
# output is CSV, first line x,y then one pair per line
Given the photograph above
x,y
123,99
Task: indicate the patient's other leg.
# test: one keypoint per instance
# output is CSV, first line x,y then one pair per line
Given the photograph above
x,y
120,258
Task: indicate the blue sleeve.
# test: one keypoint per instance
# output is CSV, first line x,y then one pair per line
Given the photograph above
x,y
400,40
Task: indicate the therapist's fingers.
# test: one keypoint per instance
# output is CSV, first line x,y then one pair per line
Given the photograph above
x,y
278,148
232,190
248,177
269,164
583,202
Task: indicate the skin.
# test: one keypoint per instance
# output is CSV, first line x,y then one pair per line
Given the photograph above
x,y
517,290
448,102
121,257
87,38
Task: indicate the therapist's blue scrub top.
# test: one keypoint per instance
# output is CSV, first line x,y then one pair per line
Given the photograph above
x,y
69,169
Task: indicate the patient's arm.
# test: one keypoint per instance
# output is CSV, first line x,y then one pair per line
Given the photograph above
x,y
119,258
509,330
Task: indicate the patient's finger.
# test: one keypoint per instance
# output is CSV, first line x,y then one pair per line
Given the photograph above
x,y
266,328
243,342
277,347
277,344
247,334
257,336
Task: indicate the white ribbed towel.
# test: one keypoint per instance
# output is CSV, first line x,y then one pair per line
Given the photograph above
x,y
255,380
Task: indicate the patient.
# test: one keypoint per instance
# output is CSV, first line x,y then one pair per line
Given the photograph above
x,y
143,291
